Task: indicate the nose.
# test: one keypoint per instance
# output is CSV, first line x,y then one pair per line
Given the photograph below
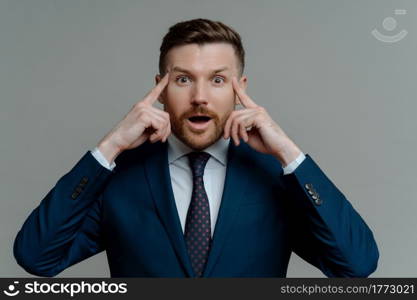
x,y
199,95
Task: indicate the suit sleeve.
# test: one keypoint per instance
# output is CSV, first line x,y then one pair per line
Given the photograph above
x,y
65,228
326,230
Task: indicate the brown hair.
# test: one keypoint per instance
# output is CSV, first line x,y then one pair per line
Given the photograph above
x,y
200,31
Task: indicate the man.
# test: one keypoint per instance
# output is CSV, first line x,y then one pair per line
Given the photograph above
x,y
227,194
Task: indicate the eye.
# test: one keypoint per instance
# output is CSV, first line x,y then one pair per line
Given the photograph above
x,y
182,79
218,80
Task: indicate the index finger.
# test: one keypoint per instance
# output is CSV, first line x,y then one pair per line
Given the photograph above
x,y
246,101
157,90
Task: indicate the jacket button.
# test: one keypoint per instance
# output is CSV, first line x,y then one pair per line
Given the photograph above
x,y
318,201
308,186
79,189
74,195
83,181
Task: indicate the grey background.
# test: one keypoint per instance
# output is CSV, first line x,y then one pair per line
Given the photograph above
x,y
70,70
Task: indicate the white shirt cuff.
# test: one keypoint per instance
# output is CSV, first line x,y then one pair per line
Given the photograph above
x,y
102,160
294,164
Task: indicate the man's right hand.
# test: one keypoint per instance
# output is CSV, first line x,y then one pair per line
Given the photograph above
x,y
142,122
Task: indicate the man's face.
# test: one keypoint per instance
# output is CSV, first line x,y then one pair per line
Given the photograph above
x,y
199,96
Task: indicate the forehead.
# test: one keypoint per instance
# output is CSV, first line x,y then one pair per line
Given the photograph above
x,y
201,58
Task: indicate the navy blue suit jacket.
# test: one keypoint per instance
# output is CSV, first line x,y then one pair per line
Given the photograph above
x,y
130,213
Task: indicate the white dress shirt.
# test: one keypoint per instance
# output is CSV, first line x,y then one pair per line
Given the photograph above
x,y
182,177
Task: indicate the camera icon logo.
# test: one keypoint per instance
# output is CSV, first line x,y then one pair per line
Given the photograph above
x,y
12,291
390,24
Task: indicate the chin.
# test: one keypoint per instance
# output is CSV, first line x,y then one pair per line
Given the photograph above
x,y
199,141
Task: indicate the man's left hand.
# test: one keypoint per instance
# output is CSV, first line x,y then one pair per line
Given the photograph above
x,y
254,125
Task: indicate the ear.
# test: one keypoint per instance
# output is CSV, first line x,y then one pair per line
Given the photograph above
x,y
243,83
161,97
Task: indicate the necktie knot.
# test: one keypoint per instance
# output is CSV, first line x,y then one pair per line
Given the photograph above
x,y
198,161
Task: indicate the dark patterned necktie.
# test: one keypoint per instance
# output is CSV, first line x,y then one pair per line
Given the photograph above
x,y
197,226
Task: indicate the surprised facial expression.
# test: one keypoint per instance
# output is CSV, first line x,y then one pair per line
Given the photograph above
x,y
199,96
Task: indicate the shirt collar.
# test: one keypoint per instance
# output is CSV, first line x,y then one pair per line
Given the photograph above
x,y
177,149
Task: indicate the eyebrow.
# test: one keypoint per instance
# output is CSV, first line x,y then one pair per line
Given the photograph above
x,y
182,70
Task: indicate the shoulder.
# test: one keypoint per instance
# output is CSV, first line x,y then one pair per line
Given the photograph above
x,y
139,154
255,161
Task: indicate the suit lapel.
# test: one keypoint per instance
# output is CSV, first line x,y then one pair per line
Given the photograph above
x,y
233,193
157,171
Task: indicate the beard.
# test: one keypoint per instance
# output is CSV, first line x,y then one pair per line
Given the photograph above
x,y
198,140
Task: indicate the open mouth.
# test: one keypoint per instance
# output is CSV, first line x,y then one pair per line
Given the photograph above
x,y
199,124
199,119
